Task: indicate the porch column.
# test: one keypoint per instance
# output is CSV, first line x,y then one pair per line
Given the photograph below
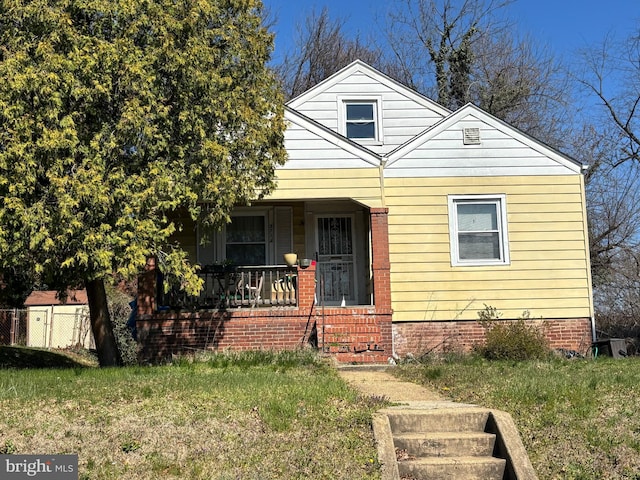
x,y
147,289
306,286
380,258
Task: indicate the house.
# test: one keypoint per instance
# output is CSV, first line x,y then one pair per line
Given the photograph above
x,y
54,322
407,220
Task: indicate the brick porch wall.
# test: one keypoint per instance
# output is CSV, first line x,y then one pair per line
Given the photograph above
x,y
359,334
349,335
174,333
417,338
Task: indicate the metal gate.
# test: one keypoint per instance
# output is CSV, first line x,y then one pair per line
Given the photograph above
x,y
336,258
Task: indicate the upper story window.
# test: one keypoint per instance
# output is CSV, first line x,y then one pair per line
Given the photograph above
x,y
361,119
478,230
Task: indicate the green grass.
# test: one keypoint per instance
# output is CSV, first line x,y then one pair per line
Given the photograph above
x,y
252,416
578,419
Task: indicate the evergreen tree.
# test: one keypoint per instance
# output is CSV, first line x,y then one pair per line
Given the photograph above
x,y
117,114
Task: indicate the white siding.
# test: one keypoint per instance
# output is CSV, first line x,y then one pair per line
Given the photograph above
x,y
500,153
310,148
403,116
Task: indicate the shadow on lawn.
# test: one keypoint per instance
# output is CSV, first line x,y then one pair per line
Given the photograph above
x,y
25,357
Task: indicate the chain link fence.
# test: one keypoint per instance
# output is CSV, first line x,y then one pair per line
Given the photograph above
x,y
47,327
13,327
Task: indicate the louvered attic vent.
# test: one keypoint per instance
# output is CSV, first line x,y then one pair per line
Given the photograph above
x,y
471,136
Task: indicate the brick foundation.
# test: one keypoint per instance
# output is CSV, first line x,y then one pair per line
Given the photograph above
x,y
417,338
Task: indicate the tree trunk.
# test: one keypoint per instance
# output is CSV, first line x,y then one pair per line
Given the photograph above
x,y
106,346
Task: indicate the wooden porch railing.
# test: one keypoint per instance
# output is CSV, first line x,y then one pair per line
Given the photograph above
x,y
236,287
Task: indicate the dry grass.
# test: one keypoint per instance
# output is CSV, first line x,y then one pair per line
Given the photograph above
x,y
578,419
194,420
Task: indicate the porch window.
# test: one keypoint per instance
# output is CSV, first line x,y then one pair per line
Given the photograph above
x,y
478,230
246,240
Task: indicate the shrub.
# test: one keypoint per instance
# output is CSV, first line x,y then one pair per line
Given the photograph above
x,y
513,339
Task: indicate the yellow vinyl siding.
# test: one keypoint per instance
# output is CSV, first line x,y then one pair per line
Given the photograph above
x,y
520,208
486,275
445,266
298,230
548,183
527,289
360,184
549,226
433,309
551,201
544,208
548,273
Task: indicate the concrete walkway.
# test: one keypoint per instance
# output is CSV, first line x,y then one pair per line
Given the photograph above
x,y
376,380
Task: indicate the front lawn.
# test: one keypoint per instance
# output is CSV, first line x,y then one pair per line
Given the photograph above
x,y
253,416
579,419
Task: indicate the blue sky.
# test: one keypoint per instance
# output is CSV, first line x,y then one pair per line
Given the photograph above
x,y
564,25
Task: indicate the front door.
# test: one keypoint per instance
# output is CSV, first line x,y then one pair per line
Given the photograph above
x,y
336,259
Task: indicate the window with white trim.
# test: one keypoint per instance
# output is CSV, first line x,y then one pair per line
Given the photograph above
x,y
478,230
360,119
246,240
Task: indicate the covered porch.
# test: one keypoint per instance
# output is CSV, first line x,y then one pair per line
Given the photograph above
x,y
336,298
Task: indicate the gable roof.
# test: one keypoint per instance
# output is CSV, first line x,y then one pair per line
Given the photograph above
x,y
437,150
358,66
479,115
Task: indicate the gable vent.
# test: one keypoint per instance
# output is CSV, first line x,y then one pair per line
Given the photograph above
x,y
471,136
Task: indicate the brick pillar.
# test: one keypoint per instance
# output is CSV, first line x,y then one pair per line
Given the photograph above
x,y
147,289
380,258
381,268
306,286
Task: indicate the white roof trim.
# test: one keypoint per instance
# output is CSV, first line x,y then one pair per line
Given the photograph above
x,y
360,66
332,137
494,122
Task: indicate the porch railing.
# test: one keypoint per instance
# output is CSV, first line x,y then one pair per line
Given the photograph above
x,y
236,287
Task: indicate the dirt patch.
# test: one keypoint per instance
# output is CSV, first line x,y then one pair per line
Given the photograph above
x,y
381,383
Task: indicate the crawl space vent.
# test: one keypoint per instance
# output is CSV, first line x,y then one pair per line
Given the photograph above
x,y
471,136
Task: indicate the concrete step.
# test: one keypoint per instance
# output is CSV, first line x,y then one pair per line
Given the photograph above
x,y
439,420
446,444
453,468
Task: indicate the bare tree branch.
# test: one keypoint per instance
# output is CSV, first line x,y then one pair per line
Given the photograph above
x,y
323,48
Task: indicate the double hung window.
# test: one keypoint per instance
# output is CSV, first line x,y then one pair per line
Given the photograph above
x,y
361,123
246,240
478,230
360,119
